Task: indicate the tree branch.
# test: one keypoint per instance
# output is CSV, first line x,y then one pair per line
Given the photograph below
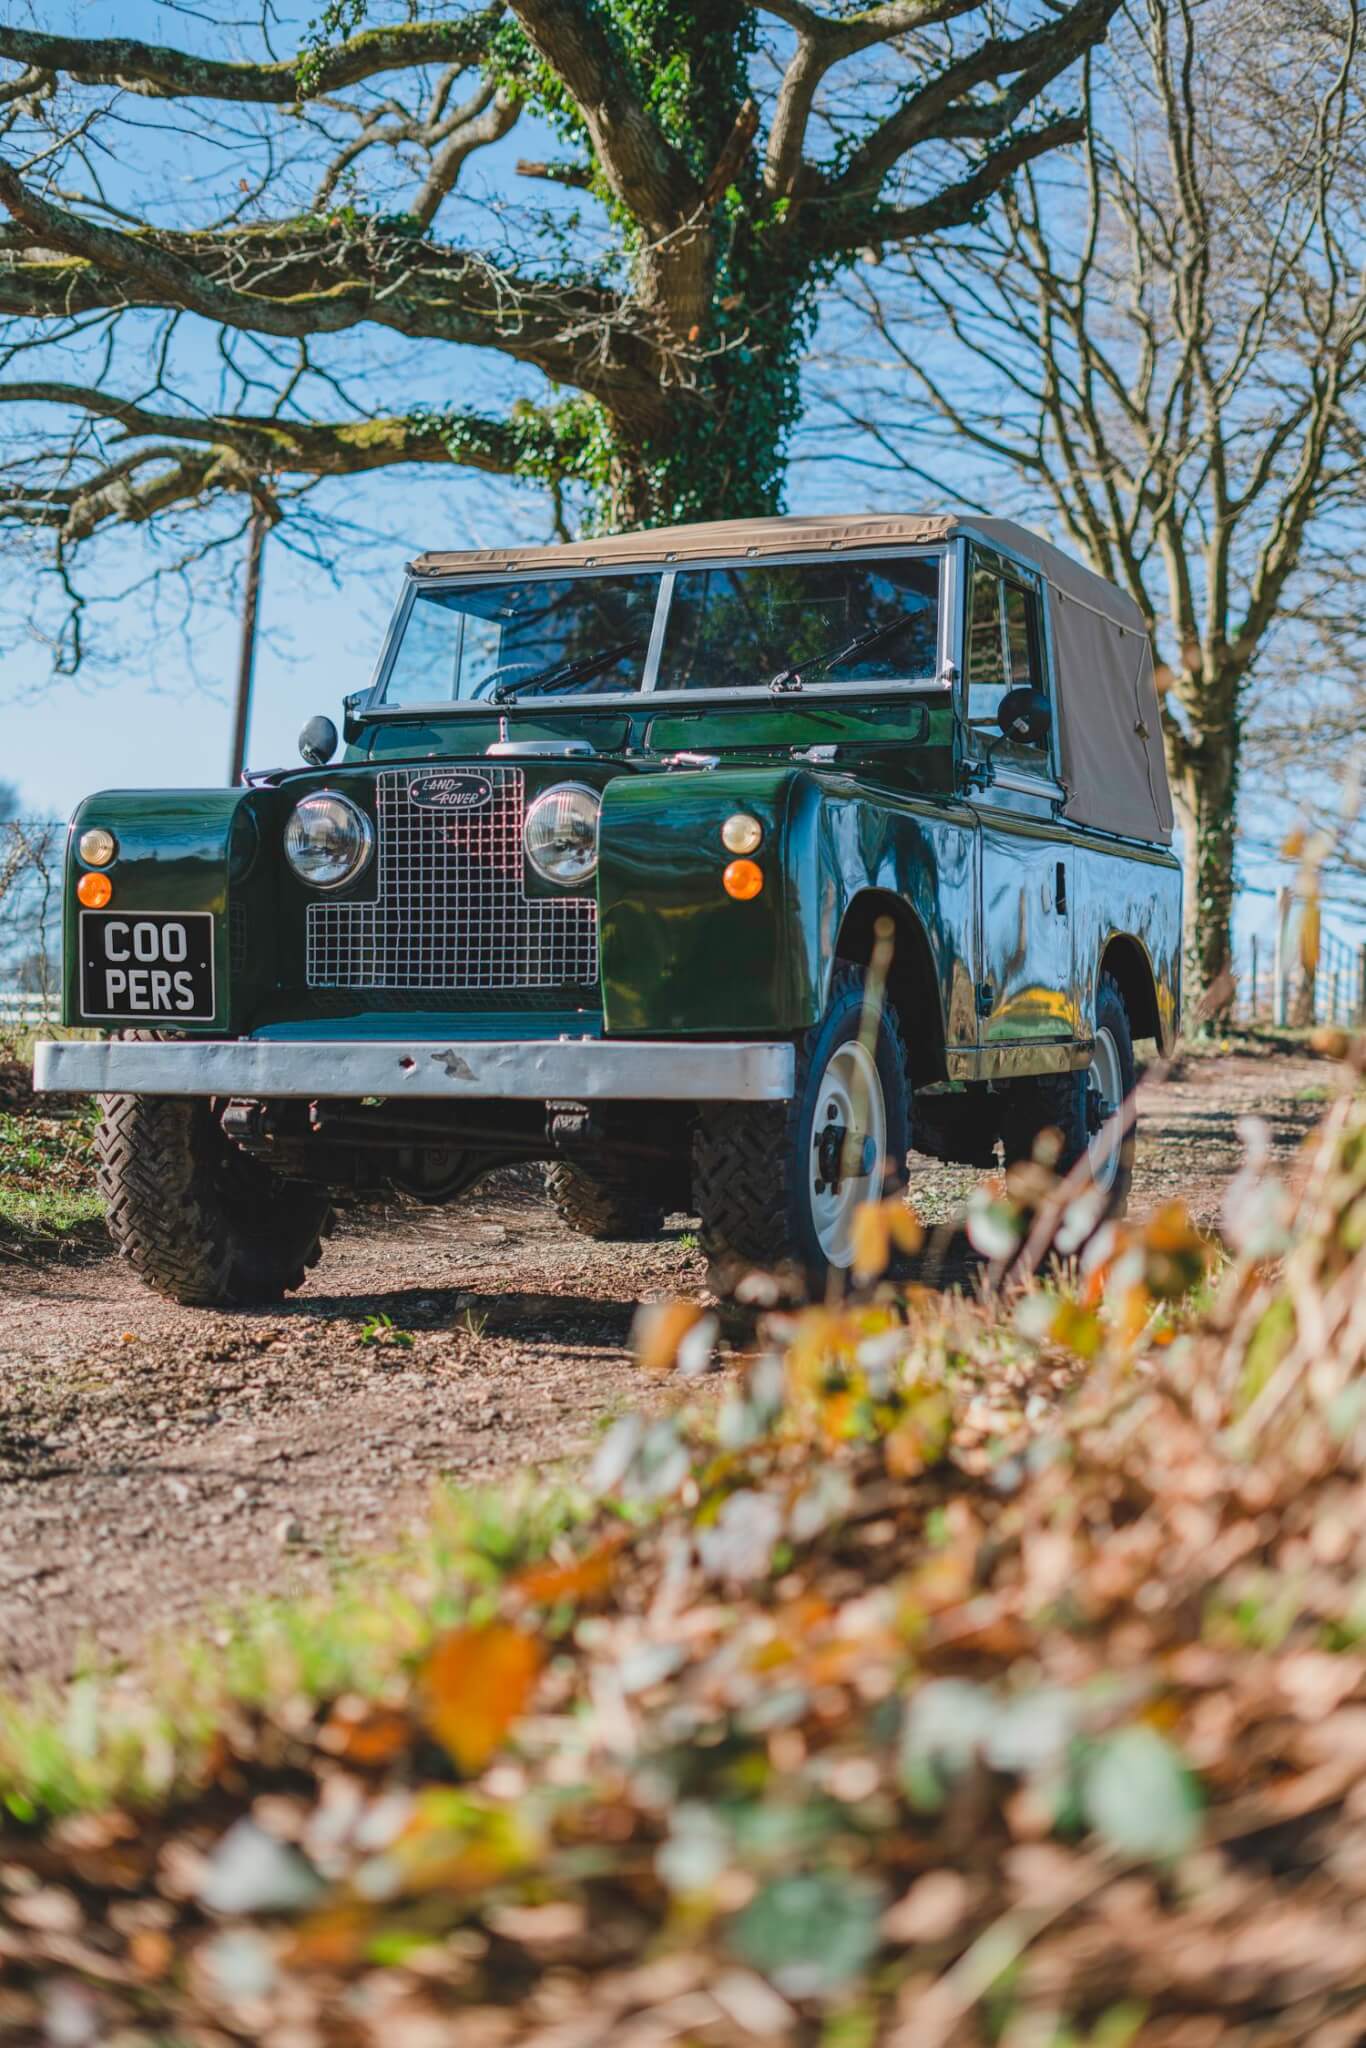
x,y
318,280
644,170
1039,54
162,73
236,451
960,202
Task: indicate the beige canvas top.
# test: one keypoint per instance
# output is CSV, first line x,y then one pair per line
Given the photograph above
x,y
1112,758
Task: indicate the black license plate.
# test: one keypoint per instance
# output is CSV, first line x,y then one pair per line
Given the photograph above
x,y
158,969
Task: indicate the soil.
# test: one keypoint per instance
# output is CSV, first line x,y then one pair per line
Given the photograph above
x,y
156,1461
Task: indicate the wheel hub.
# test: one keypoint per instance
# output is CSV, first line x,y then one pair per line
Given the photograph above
x,y
1104,1093
836,1156
848,1144
1098,1109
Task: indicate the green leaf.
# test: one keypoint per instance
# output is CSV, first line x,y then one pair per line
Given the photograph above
x,y
811,1935
1140,1797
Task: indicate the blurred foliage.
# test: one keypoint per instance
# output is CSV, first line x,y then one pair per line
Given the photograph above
x,y
966,1670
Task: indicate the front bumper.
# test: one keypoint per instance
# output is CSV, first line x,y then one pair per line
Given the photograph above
x,y
513,1070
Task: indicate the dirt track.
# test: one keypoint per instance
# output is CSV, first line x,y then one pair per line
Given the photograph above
x,y
154,1459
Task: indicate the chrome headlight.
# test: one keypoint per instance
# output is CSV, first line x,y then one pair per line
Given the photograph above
x,y
560,835
328,840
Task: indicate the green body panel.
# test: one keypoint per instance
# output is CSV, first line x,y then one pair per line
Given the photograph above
x,y
678,953
679,956
174,855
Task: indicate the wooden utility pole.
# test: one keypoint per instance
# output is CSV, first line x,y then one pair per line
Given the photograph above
x,y
246,658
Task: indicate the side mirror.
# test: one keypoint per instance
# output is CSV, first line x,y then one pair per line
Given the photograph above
x,y
318,742
1023,715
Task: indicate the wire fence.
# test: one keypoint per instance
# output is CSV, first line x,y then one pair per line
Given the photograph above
x,y
1275,988
30,922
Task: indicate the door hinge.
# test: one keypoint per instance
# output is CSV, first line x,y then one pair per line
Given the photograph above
x,y
986,996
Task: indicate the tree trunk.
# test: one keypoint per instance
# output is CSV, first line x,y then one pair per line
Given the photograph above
x,y
1205,792
719,448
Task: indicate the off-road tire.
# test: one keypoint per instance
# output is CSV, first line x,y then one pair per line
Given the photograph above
x,y
1058,1102
195,1217
601,1203
748,1158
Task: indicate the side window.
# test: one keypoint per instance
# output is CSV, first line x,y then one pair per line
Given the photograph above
x,y
986,666
1005,652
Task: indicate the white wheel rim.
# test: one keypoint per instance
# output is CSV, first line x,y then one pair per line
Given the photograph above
x,y
851,1099
1105,1078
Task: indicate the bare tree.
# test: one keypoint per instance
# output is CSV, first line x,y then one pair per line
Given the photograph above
x,y
1167,353
724,158
1305,740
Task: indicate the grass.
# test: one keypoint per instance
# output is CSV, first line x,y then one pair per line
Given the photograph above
x,y
141,1740
47,1179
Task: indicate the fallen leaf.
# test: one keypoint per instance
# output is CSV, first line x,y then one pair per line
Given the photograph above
x,y
475,1684
659,1330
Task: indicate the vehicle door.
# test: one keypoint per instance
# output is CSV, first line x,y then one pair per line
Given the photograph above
x,y
1025,989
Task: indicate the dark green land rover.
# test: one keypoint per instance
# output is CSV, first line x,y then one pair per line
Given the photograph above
x,y
620,830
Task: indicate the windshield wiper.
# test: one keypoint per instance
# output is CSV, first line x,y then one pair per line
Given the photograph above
x,y
790,679
581,670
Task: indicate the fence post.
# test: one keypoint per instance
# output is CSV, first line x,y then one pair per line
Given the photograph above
x,y
1284,898
1252,999
1361,985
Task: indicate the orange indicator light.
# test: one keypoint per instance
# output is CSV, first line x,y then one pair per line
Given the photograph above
x,y
743,879
94,891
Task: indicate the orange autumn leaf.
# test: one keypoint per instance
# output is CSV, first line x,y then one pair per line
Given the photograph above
x,y
475,1684
1170,1229
332,1939
580,1578
1131,1314
365,1734
659,1329
879,1229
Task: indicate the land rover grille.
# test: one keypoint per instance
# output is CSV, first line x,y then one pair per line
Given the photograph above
x,y
451,909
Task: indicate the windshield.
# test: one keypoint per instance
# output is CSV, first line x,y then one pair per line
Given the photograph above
x,y
500,642
834,622
530,640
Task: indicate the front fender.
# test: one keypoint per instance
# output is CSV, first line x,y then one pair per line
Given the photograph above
x,y
178,850
678,954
